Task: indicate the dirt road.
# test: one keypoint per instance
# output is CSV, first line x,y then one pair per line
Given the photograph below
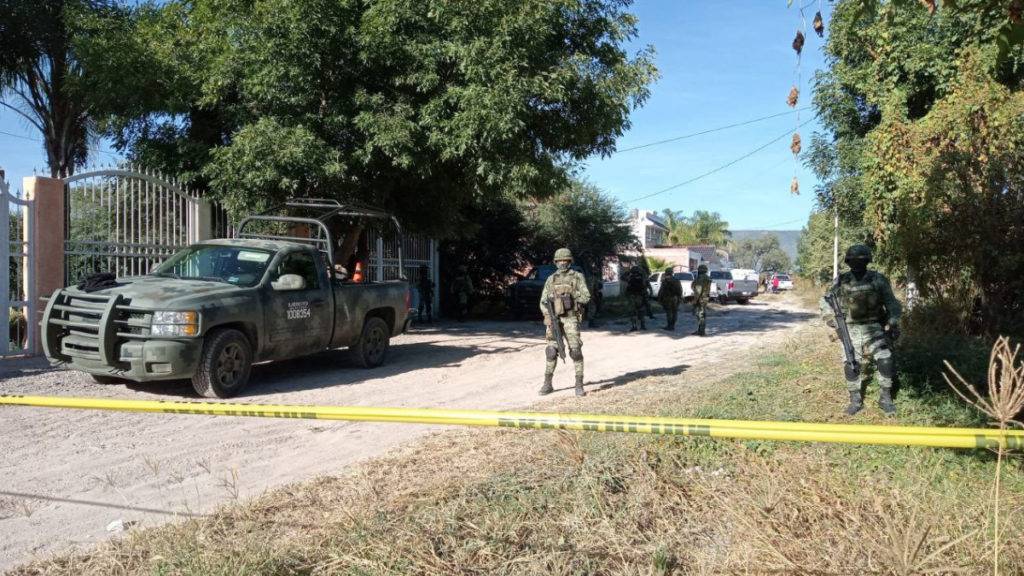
x,y
67,475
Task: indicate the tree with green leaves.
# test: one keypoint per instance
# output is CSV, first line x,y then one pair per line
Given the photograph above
x,y
44,70
709,228
815,247
585,220
760,254
422,108
925,121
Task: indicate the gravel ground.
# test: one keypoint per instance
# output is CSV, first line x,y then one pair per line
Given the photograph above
x,y
68,475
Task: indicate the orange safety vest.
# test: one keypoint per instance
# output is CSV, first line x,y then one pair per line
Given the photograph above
x,y
357,275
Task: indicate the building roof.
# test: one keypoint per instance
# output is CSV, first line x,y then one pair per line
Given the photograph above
x,y
707,252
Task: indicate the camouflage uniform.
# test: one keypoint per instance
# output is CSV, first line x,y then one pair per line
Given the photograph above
x,y
425,287
462,289
572,283
670,294
701,287
637,289
869,304
648,292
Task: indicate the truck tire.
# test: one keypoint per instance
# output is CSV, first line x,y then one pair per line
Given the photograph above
x,y
373,343
723,300
743,300
224,364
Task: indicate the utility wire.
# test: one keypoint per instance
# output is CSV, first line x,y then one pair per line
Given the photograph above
x,y
37,140
710,130
720,168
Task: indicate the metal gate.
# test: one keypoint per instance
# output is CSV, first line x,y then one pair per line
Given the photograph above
x,y
417,251
16,280
128,220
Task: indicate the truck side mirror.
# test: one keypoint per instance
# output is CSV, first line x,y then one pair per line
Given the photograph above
x,y
288,282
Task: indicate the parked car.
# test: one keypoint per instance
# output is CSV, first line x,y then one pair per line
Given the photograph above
x,y
215,308
655,284
523,297
686,279
785,281
731,289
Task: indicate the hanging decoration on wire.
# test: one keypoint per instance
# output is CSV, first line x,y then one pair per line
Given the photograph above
x,y
795,145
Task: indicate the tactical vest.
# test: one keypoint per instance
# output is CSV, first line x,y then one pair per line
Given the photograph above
x,y
702,289
861,299
563,291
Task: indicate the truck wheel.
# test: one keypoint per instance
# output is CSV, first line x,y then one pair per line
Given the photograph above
x,y
224,365
723,300
373,343
743,300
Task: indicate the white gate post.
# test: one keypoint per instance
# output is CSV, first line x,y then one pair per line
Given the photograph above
x,y
202,220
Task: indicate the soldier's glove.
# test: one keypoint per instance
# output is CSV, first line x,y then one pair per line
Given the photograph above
x,y
547,320
831,322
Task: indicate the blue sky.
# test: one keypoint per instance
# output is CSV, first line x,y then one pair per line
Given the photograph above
x,y
721,62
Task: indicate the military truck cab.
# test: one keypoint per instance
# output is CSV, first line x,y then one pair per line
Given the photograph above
x,y
214,308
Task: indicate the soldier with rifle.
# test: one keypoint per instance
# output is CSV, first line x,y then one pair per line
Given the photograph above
x,y
562,302
701,287
866,315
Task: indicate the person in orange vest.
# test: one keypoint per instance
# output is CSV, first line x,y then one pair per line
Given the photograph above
x,y
357,274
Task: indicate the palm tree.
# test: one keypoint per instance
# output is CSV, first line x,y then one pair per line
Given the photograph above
x,y
709,228
680,231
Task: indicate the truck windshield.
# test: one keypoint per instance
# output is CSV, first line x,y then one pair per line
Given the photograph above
x,y
229,264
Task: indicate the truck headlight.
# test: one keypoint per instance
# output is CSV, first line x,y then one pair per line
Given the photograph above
x,y
167,323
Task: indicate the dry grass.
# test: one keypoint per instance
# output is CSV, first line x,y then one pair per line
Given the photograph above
x,y
1003,403
514,502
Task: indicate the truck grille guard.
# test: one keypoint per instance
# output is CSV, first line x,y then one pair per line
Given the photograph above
x,y
91,326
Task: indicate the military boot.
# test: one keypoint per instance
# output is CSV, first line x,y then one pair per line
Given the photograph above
x,y
579,385
885,402
643,325
856,403
547,388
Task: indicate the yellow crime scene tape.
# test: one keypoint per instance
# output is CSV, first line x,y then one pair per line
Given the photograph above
x,y
735,429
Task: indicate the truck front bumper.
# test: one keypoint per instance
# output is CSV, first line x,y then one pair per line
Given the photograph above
x,y
145,361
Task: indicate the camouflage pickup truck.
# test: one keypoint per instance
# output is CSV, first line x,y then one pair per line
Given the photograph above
x,y
214,308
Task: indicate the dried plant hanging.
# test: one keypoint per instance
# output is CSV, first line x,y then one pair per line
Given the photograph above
x,y
795,145
794,187
798,42
794,97
931,4
1016,10
819,25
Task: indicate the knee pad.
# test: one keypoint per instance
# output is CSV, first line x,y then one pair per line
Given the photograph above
x,y
576,354
551,353
886,367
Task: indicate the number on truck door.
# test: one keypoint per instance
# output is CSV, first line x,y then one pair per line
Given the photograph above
x,y
300,321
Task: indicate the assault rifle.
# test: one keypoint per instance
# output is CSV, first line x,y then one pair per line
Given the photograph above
x,y
851,367
556,328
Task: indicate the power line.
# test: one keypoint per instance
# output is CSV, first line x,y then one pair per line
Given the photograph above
x,y
38,141
710,130
720,168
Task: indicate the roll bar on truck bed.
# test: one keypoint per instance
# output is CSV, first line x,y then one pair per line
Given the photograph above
x,y
321,210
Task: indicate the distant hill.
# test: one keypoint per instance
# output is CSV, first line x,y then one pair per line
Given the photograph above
x,y
787,238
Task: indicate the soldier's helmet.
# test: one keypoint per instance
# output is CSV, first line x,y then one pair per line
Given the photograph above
x,y
702,269
563,254
668,270
858,252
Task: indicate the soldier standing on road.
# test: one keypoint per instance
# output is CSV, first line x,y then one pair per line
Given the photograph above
x,y
637,289
670,294
462,289
650,291
873,319
567,290
701,287
426,289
